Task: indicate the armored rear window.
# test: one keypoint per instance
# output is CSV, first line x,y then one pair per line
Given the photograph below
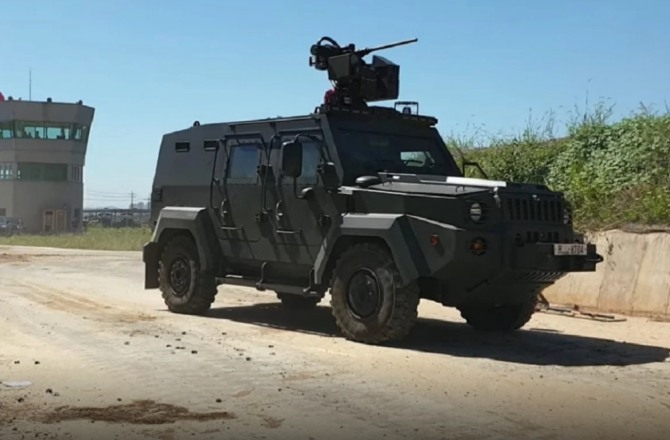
x,y
182,147
210,144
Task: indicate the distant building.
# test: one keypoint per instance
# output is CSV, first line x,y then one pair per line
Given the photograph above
x,y
42,155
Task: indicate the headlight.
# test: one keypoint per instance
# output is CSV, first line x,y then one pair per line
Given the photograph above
x,y
476,212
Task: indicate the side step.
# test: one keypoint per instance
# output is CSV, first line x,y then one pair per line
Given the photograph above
x,y
261,286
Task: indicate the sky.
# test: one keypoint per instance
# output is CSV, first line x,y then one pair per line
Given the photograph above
x,y
151,67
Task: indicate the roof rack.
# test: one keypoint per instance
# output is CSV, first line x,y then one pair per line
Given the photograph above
x,y
387,112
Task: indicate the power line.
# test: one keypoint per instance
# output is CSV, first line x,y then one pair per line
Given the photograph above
x,y
114,198
110,193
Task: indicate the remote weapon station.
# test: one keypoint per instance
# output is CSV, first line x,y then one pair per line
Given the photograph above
x,y
363,202
356,82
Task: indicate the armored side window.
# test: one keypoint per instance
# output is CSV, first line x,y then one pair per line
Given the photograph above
x,y
311,157
182,147
243,163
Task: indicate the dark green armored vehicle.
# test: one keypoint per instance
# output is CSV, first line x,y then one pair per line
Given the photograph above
x,y
363,201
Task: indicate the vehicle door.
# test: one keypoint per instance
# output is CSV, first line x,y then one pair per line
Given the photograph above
x,y
236,194
301,221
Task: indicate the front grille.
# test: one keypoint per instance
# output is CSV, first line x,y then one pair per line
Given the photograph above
x,y
530,237
542,237
527,209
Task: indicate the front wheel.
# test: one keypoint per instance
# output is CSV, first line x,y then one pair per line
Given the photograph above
x,y
368,301
503,318
185,288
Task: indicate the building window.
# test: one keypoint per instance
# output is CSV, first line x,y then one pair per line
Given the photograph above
x,y
58,131
76,173
6,171
31,130
43,130
6,130
84,134
50,172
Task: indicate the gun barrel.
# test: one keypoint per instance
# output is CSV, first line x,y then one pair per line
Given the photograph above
x,y
386,46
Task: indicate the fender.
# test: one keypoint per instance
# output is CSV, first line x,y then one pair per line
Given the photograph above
x,y
194,220
396,230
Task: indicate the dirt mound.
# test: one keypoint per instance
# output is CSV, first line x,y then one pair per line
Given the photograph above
x,y
141,412
13,258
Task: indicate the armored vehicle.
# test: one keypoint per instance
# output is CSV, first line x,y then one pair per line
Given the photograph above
x,y
363,201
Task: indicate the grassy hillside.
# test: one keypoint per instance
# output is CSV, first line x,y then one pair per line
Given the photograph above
x,y
614,173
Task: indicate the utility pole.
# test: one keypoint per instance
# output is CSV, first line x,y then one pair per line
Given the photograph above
x,y
132,200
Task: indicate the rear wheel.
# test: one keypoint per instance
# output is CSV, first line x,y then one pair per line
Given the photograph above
x,y
185,288
503,318
367,300
292,301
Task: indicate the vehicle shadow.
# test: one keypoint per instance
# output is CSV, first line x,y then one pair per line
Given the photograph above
x,y
527,346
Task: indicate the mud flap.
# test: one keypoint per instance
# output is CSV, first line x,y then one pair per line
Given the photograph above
x,y
150,258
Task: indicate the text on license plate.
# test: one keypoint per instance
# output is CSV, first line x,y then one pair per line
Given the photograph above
x,y
569,249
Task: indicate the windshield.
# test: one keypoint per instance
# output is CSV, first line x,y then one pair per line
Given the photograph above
x,y
364,153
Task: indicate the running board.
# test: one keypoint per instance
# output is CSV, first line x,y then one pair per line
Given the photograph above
x,y
284,288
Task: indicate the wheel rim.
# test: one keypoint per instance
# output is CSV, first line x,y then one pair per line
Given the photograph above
x,y
180,276
363,293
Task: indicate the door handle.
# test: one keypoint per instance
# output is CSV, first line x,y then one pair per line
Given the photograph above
x,y
223,209
231,228
287,232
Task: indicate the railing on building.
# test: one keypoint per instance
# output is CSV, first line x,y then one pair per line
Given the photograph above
x,y
116,218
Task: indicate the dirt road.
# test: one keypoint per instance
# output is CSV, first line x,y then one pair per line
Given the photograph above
x,y
106,360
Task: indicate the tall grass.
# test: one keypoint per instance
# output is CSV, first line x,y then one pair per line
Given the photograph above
x,y
98,238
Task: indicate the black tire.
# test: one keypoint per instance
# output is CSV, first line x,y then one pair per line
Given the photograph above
x,y
505,318
385,315
291,301
185,288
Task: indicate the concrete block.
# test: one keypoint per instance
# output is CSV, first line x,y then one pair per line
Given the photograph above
x,y
625,252
652,290
634,277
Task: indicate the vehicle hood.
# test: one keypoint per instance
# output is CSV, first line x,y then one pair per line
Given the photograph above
x,y
447,186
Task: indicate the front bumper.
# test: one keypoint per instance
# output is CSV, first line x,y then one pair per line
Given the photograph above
x,y
556,257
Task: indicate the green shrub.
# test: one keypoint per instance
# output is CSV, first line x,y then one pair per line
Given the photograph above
x,y
612,173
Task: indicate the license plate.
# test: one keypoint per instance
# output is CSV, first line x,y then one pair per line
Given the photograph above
x,y
569,249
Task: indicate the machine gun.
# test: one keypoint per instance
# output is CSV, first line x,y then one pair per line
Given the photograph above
x,y
355,81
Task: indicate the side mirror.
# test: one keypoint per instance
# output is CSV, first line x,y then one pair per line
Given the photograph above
x,y
291,159
329,176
